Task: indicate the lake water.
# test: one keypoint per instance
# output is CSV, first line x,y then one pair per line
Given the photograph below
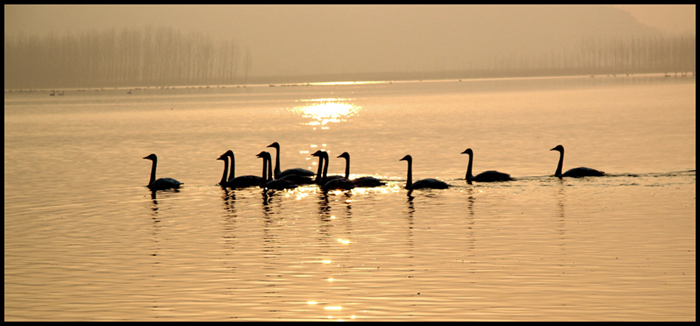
x,y
86,240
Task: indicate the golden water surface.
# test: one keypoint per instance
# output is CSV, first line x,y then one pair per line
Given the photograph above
x,y
85,239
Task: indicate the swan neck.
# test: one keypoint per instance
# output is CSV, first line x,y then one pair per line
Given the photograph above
x,y
153,171
325,167
469,174
409,177
560,165
277,163
269,168
347,168
319,173
223,177
264,170
232,169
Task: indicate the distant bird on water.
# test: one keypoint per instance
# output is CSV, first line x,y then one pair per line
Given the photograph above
x,y
575,172
162,183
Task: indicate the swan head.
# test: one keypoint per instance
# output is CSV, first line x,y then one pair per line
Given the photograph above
x,y
320,153
151,157
224,155
344,155
407,158
559,148
263,154
468,151
275,145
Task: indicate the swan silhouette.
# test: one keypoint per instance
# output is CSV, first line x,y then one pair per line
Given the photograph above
x,y
334,182
361,181
428,183
575,172
269,183
162,183
486,176
233,181
296,171
325,179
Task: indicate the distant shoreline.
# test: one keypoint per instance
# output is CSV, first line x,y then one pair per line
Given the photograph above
x,y
331,79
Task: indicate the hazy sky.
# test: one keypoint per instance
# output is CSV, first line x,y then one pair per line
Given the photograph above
x,y
287,39
39,19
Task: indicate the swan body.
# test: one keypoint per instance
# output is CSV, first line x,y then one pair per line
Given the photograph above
x,y
486,176
428,183
269,183
295,171
162,183
361,181
338,184
575,172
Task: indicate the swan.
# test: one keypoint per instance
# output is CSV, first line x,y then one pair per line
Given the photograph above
x,y
323,158
244,180
233,181
428,183
297,171
575,172
269,183
486,176
362,181
162,183
333,182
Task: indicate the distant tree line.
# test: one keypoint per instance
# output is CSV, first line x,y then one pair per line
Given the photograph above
x,y
166,57
612,56
127,57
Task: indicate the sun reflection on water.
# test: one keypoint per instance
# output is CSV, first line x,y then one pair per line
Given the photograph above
x,y
323,111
